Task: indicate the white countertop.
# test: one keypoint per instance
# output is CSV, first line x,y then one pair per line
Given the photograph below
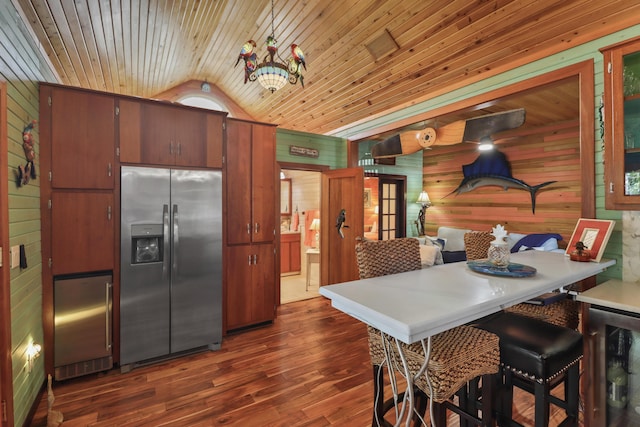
x,y
414,305
614,294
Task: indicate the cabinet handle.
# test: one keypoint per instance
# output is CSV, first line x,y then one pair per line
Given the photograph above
x,y
109,213
170,147
257,228
255,259
611,187
249,259
248,228
107,311
109,169
179,148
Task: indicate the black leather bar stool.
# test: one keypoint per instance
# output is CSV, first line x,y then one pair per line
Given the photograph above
x,y
536,356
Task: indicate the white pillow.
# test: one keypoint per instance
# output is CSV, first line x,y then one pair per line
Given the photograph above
x,y
454,237
428,255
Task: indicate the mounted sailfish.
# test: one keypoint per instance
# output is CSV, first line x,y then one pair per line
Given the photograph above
x,y
492,168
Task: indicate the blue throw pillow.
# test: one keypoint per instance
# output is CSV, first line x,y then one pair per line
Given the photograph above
x,y
453,256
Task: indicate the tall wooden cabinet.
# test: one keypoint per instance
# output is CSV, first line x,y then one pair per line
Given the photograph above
x,y
77,184
250,232
622,125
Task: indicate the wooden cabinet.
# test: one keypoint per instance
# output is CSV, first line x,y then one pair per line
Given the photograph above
x,y
251,182
82,232
289,253
250,216
172,135
82,138
622,125
250,288
156,133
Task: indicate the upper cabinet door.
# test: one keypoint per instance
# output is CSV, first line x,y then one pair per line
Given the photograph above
x,y
215,138
622,125
264,181
238,182
129,126
82,139
172,135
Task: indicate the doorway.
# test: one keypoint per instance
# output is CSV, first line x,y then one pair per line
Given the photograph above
x,y
385,207
299,235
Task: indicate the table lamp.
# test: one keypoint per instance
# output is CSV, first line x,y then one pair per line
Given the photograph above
x,y
423,199
315,227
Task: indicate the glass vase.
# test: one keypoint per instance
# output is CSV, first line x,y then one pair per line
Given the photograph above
x,y
498,254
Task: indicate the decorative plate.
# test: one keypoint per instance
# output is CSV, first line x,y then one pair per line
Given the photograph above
x,y
512,270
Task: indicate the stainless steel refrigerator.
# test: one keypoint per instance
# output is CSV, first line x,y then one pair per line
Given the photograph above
x,y
171,262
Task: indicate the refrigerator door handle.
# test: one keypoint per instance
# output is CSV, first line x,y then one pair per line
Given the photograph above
x,y
174,252
165,234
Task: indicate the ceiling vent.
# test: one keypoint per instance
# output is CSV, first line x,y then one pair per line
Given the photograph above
x,y
382,45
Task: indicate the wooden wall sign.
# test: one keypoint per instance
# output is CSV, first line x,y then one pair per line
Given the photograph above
x,y
303,151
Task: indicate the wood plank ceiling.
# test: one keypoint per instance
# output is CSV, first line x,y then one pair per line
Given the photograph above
x,y
146,47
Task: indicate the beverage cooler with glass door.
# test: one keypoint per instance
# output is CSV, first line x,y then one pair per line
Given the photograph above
x,y
614,337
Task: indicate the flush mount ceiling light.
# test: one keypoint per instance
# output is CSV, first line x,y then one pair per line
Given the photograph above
x,y
486,144
271,73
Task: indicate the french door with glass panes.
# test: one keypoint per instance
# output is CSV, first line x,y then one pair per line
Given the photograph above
x,y
392,201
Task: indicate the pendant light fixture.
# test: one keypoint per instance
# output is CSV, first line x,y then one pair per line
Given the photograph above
x,y
273,72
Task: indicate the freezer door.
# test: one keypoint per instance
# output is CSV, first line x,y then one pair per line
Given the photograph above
x,y
82,325
196,259
145,286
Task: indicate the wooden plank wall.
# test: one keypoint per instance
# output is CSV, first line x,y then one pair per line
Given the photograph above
x,y
551,153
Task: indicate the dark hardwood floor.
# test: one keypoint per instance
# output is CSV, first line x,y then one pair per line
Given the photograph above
x,y
310,368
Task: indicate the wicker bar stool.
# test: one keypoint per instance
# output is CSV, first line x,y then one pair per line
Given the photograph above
x,y
457,356
564,312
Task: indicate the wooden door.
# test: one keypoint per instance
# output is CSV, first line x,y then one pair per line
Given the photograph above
x,y
158,145
189,134
263,183
285,254
82,139
341,189
238,299
264,283
295,251
129,130
215,138
82,232
238,182
251,292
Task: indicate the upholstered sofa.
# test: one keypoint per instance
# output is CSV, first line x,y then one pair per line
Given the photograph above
x,y
451,242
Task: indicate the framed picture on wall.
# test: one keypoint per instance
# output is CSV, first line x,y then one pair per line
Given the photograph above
x,y
367,197
594,234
